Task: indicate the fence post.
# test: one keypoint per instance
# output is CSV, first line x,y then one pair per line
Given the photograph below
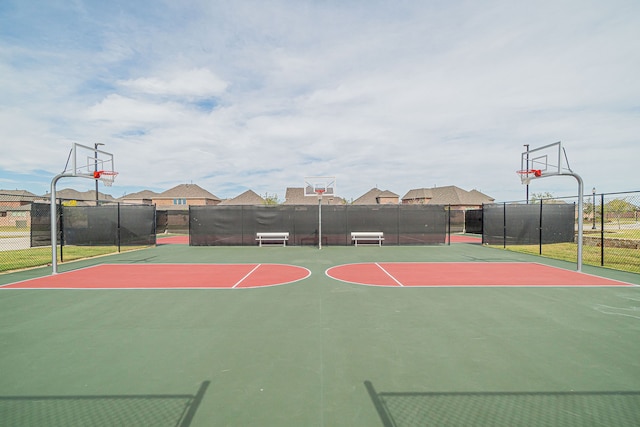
x,y
540,230
189,225
61,229
602,230
449,225
397,225
155,227
504,225
482,225
118,227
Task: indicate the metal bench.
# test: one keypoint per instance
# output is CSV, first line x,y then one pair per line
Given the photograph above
x,y
367,236
280,237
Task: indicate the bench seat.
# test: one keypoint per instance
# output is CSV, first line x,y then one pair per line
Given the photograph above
x,y
279,237
367,236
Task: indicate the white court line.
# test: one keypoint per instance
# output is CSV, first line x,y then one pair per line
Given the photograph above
x,y
247,275
389,274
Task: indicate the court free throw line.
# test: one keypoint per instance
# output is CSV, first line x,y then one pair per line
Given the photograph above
x,y
389,274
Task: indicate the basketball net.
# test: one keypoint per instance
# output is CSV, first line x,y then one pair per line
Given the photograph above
x,y
107,177
527,175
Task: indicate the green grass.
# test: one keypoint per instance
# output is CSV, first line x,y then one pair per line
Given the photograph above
x,y
615,234
14,229
36,257
616,258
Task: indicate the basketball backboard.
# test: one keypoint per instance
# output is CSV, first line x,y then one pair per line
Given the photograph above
x,y
86,161
542,161
320,186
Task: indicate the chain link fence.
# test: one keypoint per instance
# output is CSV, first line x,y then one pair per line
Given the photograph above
x,y
85,229
611,231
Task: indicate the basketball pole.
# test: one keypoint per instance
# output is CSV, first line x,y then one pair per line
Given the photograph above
x,y
95,166
319,220
54,222
580,215
527,185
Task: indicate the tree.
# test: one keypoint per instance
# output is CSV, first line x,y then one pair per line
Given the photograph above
x,y
271,199
618,207
535,197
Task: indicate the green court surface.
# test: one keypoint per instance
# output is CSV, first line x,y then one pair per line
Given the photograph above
x,y
321,352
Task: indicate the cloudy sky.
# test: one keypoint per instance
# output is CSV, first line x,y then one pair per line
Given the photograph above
x,y
236,95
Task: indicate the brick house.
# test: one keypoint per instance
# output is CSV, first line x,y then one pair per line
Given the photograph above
x,y
81,198
184,195
15,207
144,197
375,196
249,197
456,197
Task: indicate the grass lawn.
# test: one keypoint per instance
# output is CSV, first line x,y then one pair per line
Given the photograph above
x,y
36,257
616,258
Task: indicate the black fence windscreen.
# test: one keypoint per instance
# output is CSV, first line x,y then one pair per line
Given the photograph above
x,y
104,225
40,232
90,225
137,225
528,224
238,225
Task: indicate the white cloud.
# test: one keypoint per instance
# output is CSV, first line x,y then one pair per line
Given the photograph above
x,y
195,83
402,95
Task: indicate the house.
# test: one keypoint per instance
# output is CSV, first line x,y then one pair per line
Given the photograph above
x,y
81,198
249,197
456,197
15,207
184,195
144,197
295,196
376,196
16,198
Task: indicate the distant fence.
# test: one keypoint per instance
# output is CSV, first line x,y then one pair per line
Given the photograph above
x,y
25,228
548,227
238,225
611,228
528,224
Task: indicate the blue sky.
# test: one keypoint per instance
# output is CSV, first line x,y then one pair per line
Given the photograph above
x,y
237,95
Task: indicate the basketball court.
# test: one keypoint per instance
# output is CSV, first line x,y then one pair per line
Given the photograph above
x,y
290,336
373,335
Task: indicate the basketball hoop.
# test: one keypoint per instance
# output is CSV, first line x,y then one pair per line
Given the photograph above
x,y
320,191
527,175
107,177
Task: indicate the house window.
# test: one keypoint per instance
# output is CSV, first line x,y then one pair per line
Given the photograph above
x,y
179,201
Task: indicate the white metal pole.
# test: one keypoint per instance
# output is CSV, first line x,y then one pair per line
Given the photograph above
x,y
320,221
95,165
54,225
580,217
